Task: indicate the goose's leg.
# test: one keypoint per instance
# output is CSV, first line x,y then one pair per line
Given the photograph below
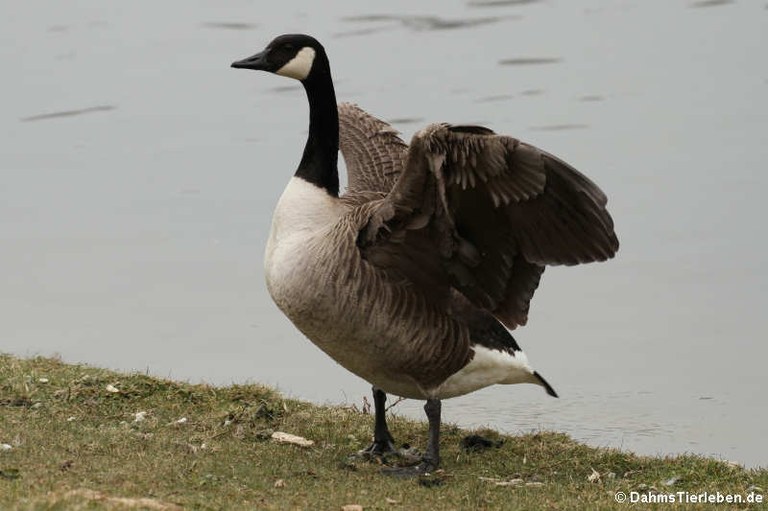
x,y
383,443
431,459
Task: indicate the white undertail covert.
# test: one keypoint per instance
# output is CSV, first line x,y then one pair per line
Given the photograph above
x,y
487,367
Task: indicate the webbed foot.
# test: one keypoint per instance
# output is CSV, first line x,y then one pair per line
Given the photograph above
x,y
378,449
425,467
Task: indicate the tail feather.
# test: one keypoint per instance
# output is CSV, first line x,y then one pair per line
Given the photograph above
x,y
545,384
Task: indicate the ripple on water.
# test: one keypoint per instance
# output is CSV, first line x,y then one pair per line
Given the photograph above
x,y
68,113
405,120
281,89
229,25
529,61
492,99
710,3
560,127
499,3
424,22
358,32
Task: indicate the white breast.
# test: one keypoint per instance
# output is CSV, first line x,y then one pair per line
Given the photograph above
x,y
303,214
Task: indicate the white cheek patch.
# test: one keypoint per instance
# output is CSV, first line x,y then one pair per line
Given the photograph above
x,y
300,65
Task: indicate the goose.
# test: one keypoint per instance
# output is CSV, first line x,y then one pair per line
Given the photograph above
x,y
414,277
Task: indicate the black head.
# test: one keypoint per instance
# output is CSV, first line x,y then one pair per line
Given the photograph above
x,y
291,55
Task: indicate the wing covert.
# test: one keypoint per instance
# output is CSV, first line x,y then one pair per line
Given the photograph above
x,y
497,211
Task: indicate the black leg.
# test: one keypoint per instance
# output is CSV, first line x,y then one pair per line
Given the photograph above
x,y
383,443
431,459
432,456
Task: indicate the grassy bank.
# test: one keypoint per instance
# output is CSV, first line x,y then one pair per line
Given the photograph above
x,y
78,437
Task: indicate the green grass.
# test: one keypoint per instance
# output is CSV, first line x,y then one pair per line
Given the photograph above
x,y
77,445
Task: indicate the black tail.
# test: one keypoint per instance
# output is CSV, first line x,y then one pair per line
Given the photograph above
x,y
546,385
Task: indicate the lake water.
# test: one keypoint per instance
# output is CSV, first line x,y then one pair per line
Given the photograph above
x,y
138,173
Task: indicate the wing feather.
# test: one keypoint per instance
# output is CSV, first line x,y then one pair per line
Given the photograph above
x,y
499,211
372,150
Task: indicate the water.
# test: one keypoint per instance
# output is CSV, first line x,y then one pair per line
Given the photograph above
x,y
138,172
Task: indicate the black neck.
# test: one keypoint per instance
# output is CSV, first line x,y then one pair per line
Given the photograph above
x,y
318,164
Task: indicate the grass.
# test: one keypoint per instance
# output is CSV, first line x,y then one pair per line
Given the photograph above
x,y
76,439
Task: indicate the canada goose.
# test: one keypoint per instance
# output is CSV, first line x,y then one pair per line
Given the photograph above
x,y
412,279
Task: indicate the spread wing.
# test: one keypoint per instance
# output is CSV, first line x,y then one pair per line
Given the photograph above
x,y
373,151
497,211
